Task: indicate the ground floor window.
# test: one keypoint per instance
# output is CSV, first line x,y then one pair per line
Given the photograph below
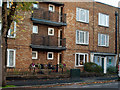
x,y
34,55
50,55
110,61
80,59
97,60
11,53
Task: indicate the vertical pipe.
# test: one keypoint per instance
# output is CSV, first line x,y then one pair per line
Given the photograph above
x,y
116,19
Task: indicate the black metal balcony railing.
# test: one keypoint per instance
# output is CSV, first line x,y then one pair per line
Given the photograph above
x,y
47,15
48,41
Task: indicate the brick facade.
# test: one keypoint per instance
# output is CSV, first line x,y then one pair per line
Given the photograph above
x,y
22,41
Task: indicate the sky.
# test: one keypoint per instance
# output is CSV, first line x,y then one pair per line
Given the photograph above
x,y
110,2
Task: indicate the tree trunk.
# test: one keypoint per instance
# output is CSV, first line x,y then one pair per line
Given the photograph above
x,y
4,42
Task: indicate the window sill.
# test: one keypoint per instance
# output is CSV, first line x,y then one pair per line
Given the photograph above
x,y
82,44
83,22
80,66
103,26
10,66
103,46
11,37
49,59
34,58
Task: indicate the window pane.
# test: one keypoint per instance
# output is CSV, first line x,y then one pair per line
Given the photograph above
x,y
81,59
77,14
82,15
51,8
50,55
103,39
77,59
85,58
33,54
11,32
81,37
77,36
35,5
11,58
35,29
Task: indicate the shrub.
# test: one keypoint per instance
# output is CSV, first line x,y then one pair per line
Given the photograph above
x,y
92,67
112,70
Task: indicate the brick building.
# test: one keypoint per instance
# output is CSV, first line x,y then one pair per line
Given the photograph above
x,y
71,32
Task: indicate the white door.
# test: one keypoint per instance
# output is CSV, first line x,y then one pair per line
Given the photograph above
x,y
104,64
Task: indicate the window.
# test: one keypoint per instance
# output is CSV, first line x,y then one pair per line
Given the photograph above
x,y
50,55
34,55
11,57
103,40
103,20
97,60
12,30
9,3
35,29
82,15
35,5
51,8
110,61
80,59
82,37
51,31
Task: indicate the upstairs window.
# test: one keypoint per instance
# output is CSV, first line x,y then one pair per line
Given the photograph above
x,y
82,37
103,20
51,8
103,40
82,15
35,29
12,30
35,5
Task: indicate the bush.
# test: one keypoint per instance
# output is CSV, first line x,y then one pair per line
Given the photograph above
x,y
92,67
112,70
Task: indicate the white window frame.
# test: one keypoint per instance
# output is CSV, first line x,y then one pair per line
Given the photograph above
x,y
0,27
100,40
33,29
13,32
48,55
84,43
0,3
36,55
104,17
49,30
83,60
9,3
78,12
35,5
8,52
53,8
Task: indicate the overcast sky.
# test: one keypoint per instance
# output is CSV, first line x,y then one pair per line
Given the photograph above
x,y
110,2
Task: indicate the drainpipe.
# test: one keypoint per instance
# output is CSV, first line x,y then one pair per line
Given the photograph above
x,y
116,19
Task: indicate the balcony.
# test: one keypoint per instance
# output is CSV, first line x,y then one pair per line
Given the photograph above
x,y
46,17
47,43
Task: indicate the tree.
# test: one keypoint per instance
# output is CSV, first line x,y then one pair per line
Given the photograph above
x,y
8,16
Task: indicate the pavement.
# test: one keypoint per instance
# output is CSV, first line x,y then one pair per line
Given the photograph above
x,y
48,83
